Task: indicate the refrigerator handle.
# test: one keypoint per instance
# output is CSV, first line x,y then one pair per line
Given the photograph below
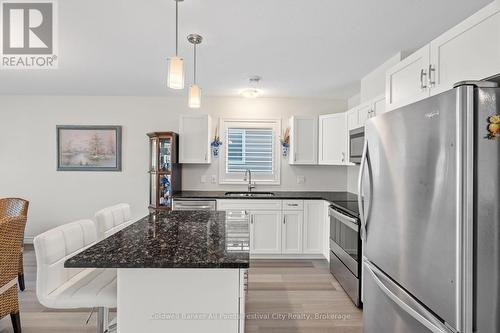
x,y
412,308
360,192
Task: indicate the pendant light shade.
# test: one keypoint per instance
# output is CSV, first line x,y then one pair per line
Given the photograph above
x,y
194,97
175,75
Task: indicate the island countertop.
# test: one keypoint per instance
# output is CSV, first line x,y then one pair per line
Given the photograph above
x,y
177,239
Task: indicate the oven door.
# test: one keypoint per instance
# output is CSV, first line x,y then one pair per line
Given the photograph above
x,y
344,240
356,143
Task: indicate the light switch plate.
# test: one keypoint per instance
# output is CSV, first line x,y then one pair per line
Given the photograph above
x,y
203,179
301,179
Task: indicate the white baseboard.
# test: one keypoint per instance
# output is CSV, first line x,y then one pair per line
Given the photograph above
x,y
28,240
287,256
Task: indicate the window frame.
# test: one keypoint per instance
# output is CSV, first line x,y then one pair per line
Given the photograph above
x,y
236,178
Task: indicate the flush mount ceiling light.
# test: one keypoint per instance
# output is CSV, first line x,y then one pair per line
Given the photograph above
x,y
252,91
175,79
194,90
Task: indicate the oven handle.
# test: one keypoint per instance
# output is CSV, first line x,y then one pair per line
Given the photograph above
x,y
360,191
347,220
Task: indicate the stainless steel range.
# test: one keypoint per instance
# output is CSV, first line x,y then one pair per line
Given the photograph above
x,y
345,251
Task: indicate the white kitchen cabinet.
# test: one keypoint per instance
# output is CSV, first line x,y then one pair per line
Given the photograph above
x,y
314,217
352,119
333,139
303,140
194,139
406,82
379,106
469,51
265,232
292,232
365,113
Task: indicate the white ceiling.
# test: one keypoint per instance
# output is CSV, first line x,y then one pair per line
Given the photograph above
x,y
308,48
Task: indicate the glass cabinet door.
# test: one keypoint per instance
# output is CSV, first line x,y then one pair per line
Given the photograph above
x,y
165,189
165,156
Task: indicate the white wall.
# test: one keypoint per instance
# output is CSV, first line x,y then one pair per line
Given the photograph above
x,y
28,151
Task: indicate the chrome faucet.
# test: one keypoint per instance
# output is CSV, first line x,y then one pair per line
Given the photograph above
x,y
249,179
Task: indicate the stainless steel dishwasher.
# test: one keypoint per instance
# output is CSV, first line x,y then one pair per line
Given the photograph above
x,y
194,204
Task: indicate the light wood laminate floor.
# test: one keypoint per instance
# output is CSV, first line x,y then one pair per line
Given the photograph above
x,y
284,296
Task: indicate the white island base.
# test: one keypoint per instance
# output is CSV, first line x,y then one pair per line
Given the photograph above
x,y
181,300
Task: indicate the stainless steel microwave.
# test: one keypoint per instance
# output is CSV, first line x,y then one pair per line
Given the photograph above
x,y
356,143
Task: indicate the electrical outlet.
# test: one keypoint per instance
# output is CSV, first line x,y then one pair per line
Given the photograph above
x,y
301,179
214,179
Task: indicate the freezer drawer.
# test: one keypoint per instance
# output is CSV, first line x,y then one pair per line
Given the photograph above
x,y
388,308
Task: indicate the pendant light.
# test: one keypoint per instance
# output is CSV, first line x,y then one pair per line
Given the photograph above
x,y
252,91
194,97
175,79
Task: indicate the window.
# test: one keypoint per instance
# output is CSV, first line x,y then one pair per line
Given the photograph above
x,y
250,145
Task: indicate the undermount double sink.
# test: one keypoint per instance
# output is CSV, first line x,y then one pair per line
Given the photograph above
x,y
249,194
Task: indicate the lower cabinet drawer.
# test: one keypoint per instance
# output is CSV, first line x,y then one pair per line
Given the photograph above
x,y
248,204
293,204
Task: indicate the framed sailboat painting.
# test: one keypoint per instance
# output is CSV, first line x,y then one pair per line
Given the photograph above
x,y
89,148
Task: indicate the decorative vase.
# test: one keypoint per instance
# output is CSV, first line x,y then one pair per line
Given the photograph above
x,y
284,149
216,148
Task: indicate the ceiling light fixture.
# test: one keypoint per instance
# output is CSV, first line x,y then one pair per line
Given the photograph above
x,y
194,97
252,91
175,78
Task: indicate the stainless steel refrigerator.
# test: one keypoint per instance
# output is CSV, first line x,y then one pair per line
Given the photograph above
x,y
430,211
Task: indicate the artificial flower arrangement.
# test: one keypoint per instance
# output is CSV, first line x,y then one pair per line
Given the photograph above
x,y
285,142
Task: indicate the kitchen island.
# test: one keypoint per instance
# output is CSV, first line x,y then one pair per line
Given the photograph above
x,y
180,271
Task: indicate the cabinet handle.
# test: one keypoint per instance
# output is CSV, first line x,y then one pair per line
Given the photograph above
x,y
251,219
423,74
284,219
431,81
343,157
293,205
206,156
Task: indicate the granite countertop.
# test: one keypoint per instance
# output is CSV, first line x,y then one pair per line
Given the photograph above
x,y
278,195
343,200
178,239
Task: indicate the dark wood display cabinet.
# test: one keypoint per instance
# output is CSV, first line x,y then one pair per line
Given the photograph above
x,y
165,172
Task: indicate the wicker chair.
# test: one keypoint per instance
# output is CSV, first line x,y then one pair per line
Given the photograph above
x,y
16,207
11,239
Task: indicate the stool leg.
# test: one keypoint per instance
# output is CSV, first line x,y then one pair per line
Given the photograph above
x,y
16,322
20,279
102,319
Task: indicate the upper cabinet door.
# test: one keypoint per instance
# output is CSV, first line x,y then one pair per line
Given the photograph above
x,y
379,106
364,112
352,119
303,140
469,51
333,139
407,82
194,139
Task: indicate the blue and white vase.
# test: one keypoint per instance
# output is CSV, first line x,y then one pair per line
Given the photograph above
x,y
284,149
216,147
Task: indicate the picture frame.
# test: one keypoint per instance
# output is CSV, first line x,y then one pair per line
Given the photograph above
x,y
89,148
